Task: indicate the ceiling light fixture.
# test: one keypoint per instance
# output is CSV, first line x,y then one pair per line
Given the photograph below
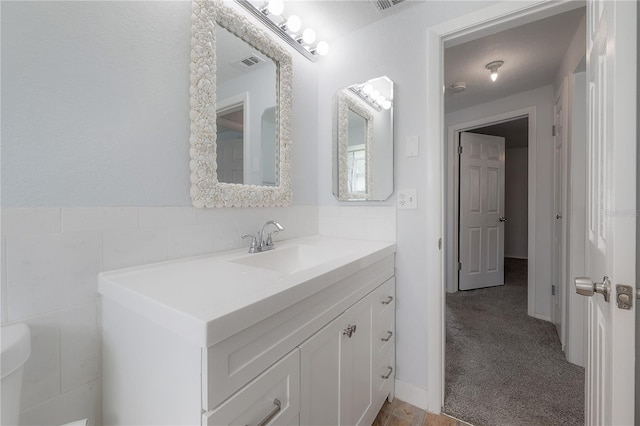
x,y
493,67
271,14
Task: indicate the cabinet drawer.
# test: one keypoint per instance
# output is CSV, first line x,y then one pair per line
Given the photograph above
x,y
383,333
273,398
384,318
230,364
385,374
387,297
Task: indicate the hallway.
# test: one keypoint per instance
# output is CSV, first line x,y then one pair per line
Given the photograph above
x,y
503,366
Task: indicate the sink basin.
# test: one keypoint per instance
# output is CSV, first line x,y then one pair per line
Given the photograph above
x,y
290,259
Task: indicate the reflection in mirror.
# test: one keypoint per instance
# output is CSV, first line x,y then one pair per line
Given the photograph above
x,y
241,71
363,148
240,111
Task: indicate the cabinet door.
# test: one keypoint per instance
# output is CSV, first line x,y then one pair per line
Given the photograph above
x,y
321,376
336,370
357,363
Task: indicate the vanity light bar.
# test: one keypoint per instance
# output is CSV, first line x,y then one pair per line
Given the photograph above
x,y
295,41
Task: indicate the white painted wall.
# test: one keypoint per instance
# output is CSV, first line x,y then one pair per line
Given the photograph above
x,y
541,99
397,47
516,202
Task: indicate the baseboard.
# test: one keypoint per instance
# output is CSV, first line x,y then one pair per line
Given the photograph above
x,y
516,257
542,317
411,394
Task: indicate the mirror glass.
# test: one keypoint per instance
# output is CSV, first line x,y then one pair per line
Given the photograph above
x,y
240,111
246,91
363,145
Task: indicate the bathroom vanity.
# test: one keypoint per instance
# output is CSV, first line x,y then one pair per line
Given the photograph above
x,y
303,334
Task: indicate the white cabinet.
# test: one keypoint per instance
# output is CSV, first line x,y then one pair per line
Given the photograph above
x,y
347,366
325,359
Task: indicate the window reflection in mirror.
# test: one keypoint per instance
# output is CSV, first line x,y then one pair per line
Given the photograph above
x,y
356,154
246,126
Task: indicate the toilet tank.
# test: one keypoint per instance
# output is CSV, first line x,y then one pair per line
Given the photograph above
x,y
16,348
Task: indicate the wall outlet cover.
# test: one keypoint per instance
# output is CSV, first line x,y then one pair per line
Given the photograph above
x,y
413,146
407,199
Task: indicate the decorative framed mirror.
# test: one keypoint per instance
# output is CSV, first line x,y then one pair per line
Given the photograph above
x,y
363,141
240,111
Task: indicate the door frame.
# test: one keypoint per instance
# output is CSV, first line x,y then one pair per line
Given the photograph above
x,y
489,20
559,260
453,188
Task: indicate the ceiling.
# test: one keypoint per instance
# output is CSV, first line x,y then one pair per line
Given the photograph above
x,y
532,54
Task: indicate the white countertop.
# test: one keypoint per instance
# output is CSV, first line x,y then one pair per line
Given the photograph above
x,y
208,298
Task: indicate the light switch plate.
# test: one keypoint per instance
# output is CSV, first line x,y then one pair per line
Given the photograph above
x,y
407,199
413,146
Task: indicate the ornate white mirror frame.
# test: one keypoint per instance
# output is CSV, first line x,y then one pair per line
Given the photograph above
x,y
347,103
206,190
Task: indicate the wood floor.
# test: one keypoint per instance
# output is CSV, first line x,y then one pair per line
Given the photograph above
x,y
399,413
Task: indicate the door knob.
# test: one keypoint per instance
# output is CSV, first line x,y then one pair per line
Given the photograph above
x,y
558,216
502,219
586,287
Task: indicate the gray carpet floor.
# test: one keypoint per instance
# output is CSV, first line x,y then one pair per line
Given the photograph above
x,y
504,367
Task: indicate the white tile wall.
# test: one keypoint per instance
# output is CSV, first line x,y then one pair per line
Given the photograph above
x,y
376,223
50,261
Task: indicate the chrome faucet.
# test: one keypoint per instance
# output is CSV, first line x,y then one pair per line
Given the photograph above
x,y
267,244
263,242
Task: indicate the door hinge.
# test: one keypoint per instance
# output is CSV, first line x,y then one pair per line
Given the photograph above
x,y
459,149
553,290
459,266
553,130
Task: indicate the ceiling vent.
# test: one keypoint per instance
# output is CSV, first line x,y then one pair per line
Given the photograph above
x,y
385,4
248,62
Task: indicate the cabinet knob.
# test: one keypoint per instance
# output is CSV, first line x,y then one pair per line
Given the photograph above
x,y
388,300
349,331
387,337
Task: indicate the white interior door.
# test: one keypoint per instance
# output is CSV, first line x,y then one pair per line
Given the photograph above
x,y
611,208
559,159
481,211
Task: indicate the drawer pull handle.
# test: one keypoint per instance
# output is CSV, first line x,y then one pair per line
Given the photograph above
x,y
273,412
386,376
389,300
388,336
349,331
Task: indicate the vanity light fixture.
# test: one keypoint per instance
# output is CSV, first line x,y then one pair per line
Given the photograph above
x,y
271,15
493,67
371,96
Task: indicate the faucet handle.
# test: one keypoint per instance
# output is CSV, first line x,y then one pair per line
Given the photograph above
x,y
254,242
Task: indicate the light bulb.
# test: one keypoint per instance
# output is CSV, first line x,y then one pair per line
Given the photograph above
x,y
367,89
386,104
294,23
375,94
276,7
494,75
309,35
322,48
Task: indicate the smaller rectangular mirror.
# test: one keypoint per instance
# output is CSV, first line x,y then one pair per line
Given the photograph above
x,y
363,141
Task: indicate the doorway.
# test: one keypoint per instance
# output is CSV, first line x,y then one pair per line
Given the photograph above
x,y
493,19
